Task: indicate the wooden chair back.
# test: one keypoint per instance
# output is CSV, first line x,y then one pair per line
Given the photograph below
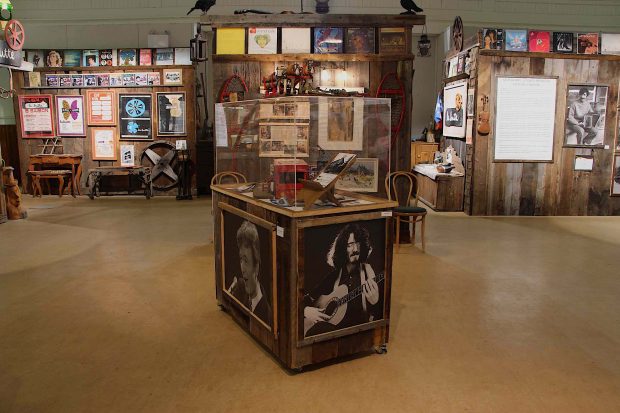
x,y
221,176
403,186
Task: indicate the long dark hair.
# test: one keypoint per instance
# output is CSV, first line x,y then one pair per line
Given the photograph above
x,y
338,251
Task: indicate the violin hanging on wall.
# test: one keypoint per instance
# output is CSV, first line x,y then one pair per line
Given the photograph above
x,y
483,119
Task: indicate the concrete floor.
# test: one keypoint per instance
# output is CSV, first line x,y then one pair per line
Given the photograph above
x,y
108,306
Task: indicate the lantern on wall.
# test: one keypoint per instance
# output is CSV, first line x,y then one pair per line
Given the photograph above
x,y
424,44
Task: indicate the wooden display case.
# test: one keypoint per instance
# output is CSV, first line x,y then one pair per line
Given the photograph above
x,y
295,247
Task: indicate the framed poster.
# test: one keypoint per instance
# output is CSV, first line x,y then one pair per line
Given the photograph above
x,y
342,275
586,109
127,156
103,144
36,116
101,107
341,124
516,40
173,77
492,39
524,131
540,41
360,40
587,43
455,102
136,114
328,40
70,115
249,264
563,42
171,114
362,176
615,177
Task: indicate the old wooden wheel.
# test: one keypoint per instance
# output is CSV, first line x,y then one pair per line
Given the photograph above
x,y
15,35
457,34
161,156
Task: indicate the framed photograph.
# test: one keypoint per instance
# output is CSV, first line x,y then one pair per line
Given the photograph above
x,y
471,102
586,107
492,39
36,116
154,78
524,132
101,107
584,162
249,265
360,40
342,275
282,140
362,176
328,40
54,58
539,41
455,102
341,124
77,81
136,115
165,57
516,40
615,177
454,66
587,43
262,40
171,114
610,43
90,58
70,115
127,156
73,58
563,42
173,77
460,66
392,40
127,57
103,144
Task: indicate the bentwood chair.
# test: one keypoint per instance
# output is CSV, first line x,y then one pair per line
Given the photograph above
x,y
412,214
220,177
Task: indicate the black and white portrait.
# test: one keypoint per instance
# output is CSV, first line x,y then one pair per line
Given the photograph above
x,y
455,103
344,267
563,42
248,266
171,111
585,115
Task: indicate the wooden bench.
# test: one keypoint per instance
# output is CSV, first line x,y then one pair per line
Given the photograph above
x,y
95,176
46,175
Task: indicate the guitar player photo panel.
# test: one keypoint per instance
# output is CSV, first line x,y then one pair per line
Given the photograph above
x,y
248,264
344,267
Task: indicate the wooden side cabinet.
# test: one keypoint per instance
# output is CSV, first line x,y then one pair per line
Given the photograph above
x,y
445,193
423,152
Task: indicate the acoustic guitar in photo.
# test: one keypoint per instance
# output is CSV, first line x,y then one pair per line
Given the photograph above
x,y
483,119
335,303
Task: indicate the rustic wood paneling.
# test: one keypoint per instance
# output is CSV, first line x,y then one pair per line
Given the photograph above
x,y
9,148
553,188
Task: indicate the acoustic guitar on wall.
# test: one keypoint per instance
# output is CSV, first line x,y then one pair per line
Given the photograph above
x,y
483,119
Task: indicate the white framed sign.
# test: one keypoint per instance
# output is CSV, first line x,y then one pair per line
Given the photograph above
x,y
454,104
525,118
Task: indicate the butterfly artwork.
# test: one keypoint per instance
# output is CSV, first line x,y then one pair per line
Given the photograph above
x,y
70,115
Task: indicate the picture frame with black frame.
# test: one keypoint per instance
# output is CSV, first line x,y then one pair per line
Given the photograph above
x,y
249,266
563,42
171,114
586,110
136,116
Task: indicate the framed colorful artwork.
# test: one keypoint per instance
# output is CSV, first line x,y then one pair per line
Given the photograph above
x,y
362,176
587,43
136,114
171,114
70,115
328,40
492,39
516,40
101,107
540,41
103,144
36,116
360,40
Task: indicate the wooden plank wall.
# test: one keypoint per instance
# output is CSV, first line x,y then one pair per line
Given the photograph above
x,y
546,188
82,145
9,147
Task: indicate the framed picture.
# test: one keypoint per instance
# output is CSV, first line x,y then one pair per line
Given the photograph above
x,y
90,80
249,265
142,79
77,81
127,156
146,57
610,43
53,58
73,58
392,40
281,140
51,80
165,57
516,40
460,66
492,39
262,40
129,79
587,43
103,80
107,57
471,102
103,144
584,162
586,109
171,114
154,78
36,116
360,40
339,163
37,57
64,80
136,114
90,58
563,42
328,40
342,275
101,107
116,79
173,77
539,41
70,115
341,124
127,57
615,177
455,102
362,176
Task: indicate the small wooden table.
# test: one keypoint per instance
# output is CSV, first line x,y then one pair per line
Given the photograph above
x,y
96,174
74,161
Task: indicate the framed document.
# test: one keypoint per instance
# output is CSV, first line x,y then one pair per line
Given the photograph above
x,y
35,114
101,107
525,118
103,144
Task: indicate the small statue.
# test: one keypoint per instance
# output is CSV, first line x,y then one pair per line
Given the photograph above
x,y
13,195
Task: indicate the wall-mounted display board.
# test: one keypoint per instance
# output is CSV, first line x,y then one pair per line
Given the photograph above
x,y
525,119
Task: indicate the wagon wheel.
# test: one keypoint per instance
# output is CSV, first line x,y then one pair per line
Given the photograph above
x,y
15,35
457,33
161,156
